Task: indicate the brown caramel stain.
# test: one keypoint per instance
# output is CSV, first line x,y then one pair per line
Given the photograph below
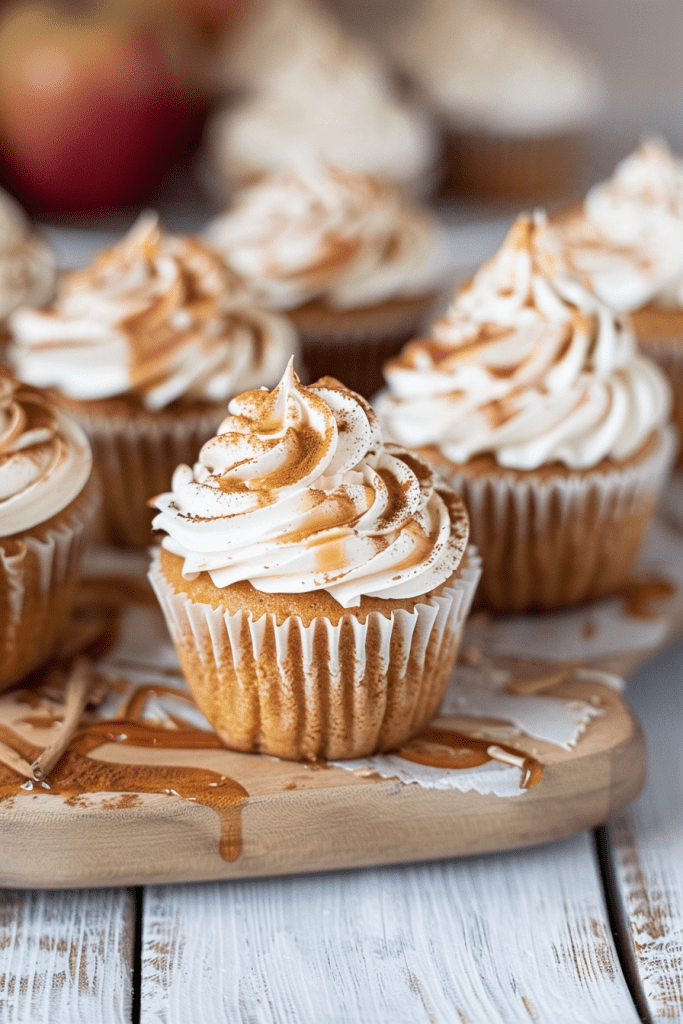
x,y
637,595
77,773
441,748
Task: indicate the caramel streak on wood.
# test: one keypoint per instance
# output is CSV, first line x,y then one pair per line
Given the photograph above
x,y
66,957
647,844
75,698
505,939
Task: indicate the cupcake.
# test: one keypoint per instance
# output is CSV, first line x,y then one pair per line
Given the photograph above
x,y
626,243
309,89
355,267
144,348
531,398
47,503
27,264
514,96
314,580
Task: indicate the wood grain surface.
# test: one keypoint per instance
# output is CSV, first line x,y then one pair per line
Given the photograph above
x,y
66,957
505,939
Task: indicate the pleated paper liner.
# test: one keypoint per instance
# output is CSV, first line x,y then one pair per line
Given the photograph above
x,y
552,538
338,690
660,336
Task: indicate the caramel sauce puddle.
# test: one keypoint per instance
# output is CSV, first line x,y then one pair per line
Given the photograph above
x,y
440,748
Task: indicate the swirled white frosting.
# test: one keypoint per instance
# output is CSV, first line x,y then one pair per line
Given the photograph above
x,y
27,264
626,242
494,66
320,232
159,316
298,493
527,366
45,458
314,91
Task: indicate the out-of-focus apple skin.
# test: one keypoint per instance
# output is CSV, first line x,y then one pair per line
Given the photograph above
x,y
93,113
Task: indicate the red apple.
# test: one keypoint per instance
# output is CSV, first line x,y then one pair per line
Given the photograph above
x,y
92,111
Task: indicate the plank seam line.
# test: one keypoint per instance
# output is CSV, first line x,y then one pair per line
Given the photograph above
x,y
618,925
139,903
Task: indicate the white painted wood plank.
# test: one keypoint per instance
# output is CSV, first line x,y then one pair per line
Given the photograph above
x,y
647,842
66,957
493,940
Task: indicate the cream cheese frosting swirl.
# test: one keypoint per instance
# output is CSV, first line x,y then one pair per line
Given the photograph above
x,y
158,316
298,493
320,232
527,366
45,458
27,264
626,242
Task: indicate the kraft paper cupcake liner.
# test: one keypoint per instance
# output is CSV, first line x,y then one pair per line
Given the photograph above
x,y
668,354
39,572
552,541
321,690
135,459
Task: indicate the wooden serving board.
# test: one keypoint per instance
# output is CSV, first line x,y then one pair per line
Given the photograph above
x,y
145,792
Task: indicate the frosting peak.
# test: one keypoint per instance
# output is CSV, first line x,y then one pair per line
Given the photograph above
x,y
626,242
322,232
158,315
527,365
45,459
298,493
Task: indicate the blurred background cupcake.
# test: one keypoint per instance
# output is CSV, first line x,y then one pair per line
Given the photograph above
x,y
298,85
27,264
48,503
626,243
355,266
144,348
531,398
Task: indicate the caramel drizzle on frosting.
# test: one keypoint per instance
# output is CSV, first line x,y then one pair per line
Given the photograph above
x,y
28,435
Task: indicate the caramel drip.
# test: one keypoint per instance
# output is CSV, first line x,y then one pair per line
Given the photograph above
x,y
637,595
77,773
441,748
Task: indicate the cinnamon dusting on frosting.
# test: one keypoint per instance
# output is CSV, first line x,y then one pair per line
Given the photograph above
x,y
526,365
341,512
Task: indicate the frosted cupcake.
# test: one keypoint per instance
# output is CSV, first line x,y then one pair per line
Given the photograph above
x,y
47,503
144,348
315,581
308,88
531,398
626,243
27,264
514,95
355,267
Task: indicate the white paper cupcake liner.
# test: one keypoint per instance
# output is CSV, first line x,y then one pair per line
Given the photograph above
x,y
321,690
38,577
135,459
554,542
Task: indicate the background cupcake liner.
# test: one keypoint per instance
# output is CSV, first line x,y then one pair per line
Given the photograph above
x,y
524,169
556,541
135,458
322,690
354,345
668,354
38,577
